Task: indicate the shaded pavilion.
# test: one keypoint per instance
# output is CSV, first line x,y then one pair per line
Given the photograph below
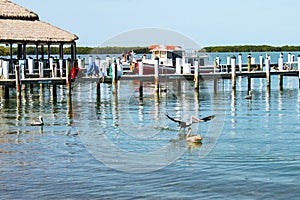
x,y
21,28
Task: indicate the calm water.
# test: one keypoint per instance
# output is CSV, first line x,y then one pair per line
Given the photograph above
x,y
123,147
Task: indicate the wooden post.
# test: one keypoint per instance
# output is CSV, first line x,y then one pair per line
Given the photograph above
x,y
18,81
240,63
54,92
249,84
141,68
156,76
249,62
177,86
70,107
90,60
68,77
178,65
114,75
4,92
98,89
215,86
228,63
268,77
233,72
196,75
41,69
61,66
261,62
141,90
5,69
280,62
280,77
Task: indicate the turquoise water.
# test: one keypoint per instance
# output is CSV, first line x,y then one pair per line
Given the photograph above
x,y
123,147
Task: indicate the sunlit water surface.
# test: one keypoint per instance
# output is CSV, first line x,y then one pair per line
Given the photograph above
x,y
253,154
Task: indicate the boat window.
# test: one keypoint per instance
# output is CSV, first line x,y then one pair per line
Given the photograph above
x,y
177,54
169,55
163,54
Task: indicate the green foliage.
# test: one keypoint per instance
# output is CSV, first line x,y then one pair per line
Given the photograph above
x,y
250,48
114,50
4,51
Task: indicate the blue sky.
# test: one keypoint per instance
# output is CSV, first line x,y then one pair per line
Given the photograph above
x,y
208,23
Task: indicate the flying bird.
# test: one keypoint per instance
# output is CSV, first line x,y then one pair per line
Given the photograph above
x,y
183,124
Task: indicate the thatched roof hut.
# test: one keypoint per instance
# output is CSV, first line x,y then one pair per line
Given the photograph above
x,y
18,24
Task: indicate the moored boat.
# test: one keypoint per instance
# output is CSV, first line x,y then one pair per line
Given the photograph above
x,y
173,59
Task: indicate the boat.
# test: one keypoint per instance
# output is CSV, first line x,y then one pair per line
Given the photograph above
x,y
172,59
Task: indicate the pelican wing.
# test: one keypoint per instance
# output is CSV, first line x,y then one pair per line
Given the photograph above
x,y
174,120
205,119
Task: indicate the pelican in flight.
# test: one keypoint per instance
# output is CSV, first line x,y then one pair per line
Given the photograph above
x,y
194,119
249,96
40,122
193,138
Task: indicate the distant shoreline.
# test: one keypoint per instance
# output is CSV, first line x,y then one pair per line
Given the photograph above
x,y
84,50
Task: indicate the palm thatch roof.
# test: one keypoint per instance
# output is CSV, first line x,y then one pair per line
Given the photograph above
x,y
18,25
9,10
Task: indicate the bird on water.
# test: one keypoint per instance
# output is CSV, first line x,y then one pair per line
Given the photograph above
x,y
183,124
193,138
39,122
249,96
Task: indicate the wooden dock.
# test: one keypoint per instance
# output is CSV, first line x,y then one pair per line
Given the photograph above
x,y
15,80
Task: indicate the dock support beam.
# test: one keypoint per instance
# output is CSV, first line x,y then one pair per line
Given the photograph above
x,y
268,77
68,77
18,81
114,76
280,77
261,62
249,62
98,88
233,72
5,92
196,76
249,84
141,90
156,76
240,63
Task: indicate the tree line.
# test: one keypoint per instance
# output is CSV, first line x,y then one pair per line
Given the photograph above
x,y
4,51
250,48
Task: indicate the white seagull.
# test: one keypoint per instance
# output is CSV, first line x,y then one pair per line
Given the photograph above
x,y
194,119
40,122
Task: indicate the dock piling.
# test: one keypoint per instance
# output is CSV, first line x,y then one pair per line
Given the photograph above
x,y
249,62
268,77
280,62
196,75
156,76
178,65
261,62
41,69
61,64
18,81
141,68
233,72
240,63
